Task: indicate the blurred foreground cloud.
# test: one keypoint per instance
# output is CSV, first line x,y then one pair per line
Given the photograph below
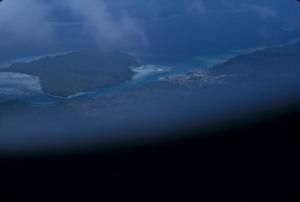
x,y
107,29
25,22
30,22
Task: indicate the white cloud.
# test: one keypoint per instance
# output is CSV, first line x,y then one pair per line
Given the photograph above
x,y
262,11
24,22
200,7
108,30
30,22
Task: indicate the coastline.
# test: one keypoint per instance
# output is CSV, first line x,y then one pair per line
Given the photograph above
x,y
68,74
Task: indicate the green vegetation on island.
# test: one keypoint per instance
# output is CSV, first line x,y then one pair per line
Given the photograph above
x,y
72,73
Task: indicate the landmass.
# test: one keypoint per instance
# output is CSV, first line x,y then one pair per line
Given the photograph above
x,y
270,64
266,68
72,73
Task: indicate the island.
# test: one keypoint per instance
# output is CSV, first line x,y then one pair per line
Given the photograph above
x,y
75,72
268,68
270,64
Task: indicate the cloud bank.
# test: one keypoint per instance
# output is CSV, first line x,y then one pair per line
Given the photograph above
x,y
24,22
32,22
107,29
119,24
